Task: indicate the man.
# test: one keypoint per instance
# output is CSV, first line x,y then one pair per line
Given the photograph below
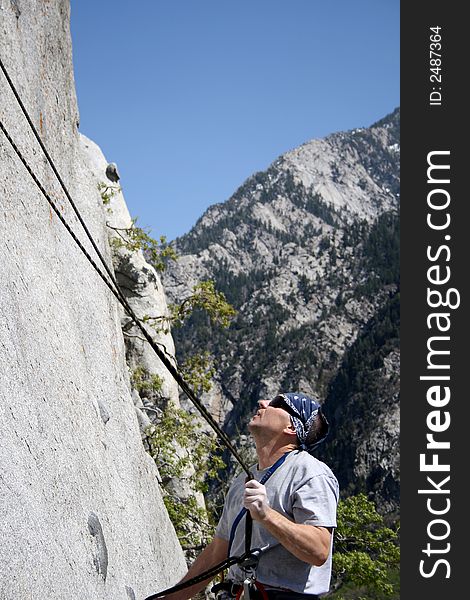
x,y
294,513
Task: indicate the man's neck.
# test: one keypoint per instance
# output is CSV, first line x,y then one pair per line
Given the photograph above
x,y
268,455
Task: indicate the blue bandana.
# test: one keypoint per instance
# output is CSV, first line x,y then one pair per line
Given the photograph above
x,y
303,411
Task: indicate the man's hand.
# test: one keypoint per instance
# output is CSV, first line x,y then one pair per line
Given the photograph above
x,y
309,543
256,500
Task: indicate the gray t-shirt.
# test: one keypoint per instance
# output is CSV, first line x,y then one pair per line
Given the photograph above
x,y
304,490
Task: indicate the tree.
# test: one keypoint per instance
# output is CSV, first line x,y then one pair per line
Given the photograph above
x,y
177,442
175,427
366,552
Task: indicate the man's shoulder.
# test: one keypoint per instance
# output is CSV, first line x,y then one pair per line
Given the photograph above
x,y
309,466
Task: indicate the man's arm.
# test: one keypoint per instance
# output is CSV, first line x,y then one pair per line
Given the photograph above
x,y
308,543
212,555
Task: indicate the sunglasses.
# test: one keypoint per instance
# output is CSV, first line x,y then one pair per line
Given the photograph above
x,y
279,402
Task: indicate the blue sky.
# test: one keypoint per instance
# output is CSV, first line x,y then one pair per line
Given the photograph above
x,y
191,97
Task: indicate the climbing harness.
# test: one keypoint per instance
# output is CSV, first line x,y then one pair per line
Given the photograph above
x,y
109,280
233,591
250,586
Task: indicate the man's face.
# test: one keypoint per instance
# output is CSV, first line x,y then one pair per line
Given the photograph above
x,y
269,419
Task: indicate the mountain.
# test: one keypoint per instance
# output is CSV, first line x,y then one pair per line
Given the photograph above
x,y
308,254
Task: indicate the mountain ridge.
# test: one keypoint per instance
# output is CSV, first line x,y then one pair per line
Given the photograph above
x,y
308,253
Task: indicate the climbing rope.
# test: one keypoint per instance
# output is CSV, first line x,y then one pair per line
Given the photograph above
x,y
246,560
109,280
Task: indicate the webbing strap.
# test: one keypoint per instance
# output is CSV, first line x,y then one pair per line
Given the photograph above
x,y
259,586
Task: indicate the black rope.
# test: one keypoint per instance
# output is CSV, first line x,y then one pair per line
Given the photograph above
x,y
112,285
57,211
209,574
59,178
249,558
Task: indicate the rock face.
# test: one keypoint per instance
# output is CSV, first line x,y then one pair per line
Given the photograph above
x,y
81,512
138,281
143,290
307,252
